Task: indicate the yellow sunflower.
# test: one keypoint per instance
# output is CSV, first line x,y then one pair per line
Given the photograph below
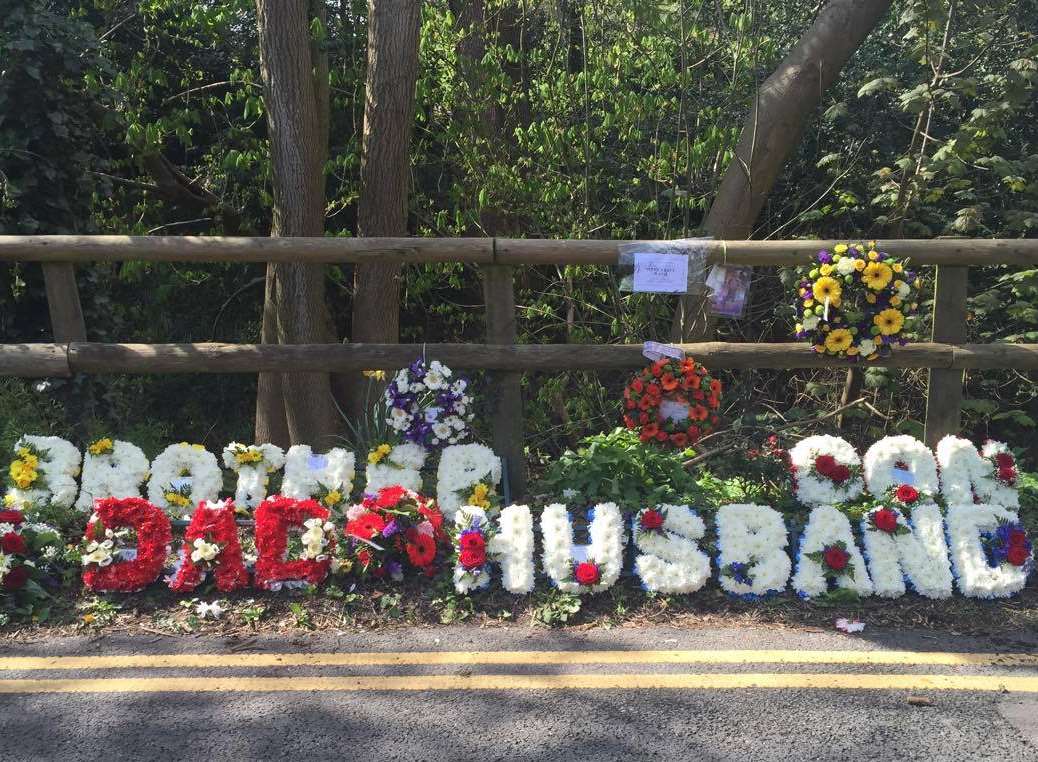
x,y
889,321
838,340
876,275
827,288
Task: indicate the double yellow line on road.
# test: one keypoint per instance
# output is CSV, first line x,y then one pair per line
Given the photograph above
x,y
565,681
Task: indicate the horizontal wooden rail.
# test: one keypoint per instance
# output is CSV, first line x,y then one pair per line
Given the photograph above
x,y
42,360
507,251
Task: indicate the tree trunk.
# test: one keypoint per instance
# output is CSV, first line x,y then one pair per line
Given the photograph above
x,y
776,119
294,408
385,171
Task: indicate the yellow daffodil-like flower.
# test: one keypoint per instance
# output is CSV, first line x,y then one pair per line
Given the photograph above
x,y
877,275
23,472
898,267
378,375
840,248
379,453
826,269
333,498
102,446
859,264
873,255
827,288
838,340
479,496
889,321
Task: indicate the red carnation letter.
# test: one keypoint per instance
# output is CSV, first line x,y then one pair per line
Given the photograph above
x,y
274,517
153,536
213,523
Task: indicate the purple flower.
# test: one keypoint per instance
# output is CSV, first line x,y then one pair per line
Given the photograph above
x,y
390,529
395,568
824,257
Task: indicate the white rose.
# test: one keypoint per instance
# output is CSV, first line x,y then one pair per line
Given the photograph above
x,y
845,266
811,322
867,347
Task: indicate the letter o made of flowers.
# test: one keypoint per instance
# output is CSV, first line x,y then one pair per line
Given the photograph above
x,y
274,517
154,535
826,471
672,402
900,460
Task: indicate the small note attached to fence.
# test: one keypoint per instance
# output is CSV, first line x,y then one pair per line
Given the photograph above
x,y
654,351
317,462
660,273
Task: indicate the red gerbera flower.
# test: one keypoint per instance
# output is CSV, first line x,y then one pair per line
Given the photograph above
x,y
421,551
366,526
389,496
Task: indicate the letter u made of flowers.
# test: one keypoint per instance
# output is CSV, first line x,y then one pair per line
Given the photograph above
x,y
670,560
111,468
991,552
968,476
594,572
479,542
43,473
752,560
828,557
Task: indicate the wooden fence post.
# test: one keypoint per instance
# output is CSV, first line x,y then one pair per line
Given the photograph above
x,y
506,395
66,313
944,389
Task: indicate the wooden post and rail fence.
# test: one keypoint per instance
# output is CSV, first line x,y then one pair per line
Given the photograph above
x,y
946,355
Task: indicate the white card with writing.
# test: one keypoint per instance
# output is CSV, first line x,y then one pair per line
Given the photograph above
x,y
317,462
654,351
180,482
580,553
673,410
660,273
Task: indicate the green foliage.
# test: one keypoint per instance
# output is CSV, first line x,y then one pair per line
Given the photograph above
x,y
554,607
617,467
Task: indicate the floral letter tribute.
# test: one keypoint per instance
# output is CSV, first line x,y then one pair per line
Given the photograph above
x,y
751,556
970,477
828,555
112,520
899,551
399,466
583,572
253,464
274,517
326,478
670,560
826,471
111,468
990,550
467,475
182,476
43,472
854,301
672,402
211,545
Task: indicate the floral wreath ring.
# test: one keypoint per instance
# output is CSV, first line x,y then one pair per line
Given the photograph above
x,y
672,402
855,301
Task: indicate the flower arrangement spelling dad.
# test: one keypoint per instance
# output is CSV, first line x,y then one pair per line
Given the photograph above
x,y
855,301
672,402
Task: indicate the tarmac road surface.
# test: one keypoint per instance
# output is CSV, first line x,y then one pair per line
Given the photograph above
x,y
465,693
